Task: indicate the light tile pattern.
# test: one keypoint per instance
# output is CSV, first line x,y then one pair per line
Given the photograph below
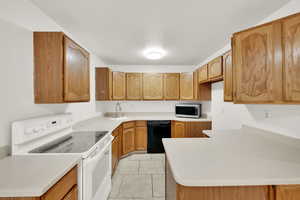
x,y
139,177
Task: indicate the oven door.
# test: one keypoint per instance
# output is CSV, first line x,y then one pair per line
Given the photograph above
x,y
97,174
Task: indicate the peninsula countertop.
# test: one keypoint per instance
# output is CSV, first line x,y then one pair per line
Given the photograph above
x,y
246,156
102,123
33,175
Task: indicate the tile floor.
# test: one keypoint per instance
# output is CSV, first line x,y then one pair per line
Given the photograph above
x,y
139,177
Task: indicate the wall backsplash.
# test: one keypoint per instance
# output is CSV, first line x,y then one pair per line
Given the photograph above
x,y
144,106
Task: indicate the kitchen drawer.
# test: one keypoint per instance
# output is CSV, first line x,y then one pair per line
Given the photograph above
x,y
62,187
127,125
115,132
141,123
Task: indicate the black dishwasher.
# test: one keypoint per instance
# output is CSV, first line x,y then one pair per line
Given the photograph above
x,y
156,131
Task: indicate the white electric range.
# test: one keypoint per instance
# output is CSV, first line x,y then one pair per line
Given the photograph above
x,y
54,135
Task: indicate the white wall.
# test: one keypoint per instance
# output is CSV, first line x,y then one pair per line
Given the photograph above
x,y
18,18
277,118
148,106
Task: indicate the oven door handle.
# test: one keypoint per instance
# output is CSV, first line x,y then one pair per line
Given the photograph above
x,y
95,154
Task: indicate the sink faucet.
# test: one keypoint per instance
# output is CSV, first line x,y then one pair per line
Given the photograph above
x,y
118,107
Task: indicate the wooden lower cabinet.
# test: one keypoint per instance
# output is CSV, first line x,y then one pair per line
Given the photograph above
x,y
141,138
287,192
128,140
189,129
64,189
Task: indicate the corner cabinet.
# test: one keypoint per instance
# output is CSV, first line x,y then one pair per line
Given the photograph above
x,y
61,69
228,77
266,63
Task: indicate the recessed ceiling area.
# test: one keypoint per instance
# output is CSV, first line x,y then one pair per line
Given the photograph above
x,y
189,31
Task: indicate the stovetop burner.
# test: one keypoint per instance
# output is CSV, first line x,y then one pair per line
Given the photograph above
x,y
76,142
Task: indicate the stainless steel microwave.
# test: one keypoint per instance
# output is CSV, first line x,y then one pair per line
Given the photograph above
x,y
188,110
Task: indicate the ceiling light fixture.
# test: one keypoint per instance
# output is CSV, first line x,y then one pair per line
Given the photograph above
x,y
154,53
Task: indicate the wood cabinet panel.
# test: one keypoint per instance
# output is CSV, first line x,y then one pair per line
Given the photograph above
x,y
202,91
287,192
202,74
141,138
134,86
153,86
114,153
77,72
291,42
120,130
171,86
186,86
215,68
62,187
130,124
72,195
103,83
257,69
178,129
128,140
228,79
48,67
119,83
140,123
194,129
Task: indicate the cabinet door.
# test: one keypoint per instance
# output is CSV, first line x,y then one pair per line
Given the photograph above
x,y
257,71
178,129
128,140
287,192
115,153
194,129
134,86
72,195
228,82
153,86
186,86
291,42
141,138
120,142
202,74
215,69
76,72
119,85
171,86
103,84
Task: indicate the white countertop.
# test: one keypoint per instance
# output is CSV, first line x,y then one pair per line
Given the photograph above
x,y
246,156
32,176
102,123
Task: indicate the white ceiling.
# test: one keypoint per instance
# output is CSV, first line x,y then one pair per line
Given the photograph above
x,y
189,30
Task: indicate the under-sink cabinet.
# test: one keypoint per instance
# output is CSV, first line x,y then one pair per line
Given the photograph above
x,y
65,189
61,69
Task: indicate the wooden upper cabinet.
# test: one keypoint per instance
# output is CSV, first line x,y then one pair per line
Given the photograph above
x,y
103,78
134,86
186,86
119,86
171,86
257,71
228,79
153,86
202,74
291,42
215,69
61,69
